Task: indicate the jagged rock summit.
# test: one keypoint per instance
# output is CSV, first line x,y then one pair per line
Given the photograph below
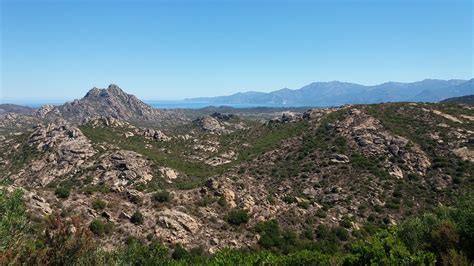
x,y
111,102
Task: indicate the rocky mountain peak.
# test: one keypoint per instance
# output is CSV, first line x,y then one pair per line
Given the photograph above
x,y
110,102
112,90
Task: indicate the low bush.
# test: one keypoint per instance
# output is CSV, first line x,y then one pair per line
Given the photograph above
x,y
162,196
137,218
62,192
99,204
237,217
100,228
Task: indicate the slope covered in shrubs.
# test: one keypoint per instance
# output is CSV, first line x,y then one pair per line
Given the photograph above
x,y
444,236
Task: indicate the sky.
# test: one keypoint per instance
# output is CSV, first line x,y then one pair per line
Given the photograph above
x,y
168,50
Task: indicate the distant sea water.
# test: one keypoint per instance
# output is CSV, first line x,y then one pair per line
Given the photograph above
x,y
171,104
197,105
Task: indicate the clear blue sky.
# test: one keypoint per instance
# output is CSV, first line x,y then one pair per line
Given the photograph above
x,y
177,49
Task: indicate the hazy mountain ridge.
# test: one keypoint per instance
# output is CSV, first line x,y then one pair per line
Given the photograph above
x,y
468,99
14,108
338,93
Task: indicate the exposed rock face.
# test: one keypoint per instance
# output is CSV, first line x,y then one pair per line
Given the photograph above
x,y
340,158
209,123
169,173
16,120
45,110
465,153
107,121
38,205
215,161
122,168
219,123
110,102
63,149
181,226
155,134
368,135
446,116
287,117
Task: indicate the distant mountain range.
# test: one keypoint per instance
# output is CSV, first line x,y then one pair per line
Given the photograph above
x,y
338,93
14,108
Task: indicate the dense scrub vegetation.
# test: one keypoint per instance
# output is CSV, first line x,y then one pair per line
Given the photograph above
x,y
443,236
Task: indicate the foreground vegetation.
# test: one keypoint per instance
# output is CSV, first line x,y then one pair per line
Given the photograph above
x,y
443,236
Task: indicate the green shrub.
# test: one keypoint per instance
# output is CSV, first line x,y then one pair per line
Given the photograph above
x,y
454,257
323,231
99,204
222,202
100,228
346,222
385,248
179,253
341,233
270,234
135,199
62,192
162,196
303,204
237,217
137,218
13,219
444,237
205,201
137,253
289,199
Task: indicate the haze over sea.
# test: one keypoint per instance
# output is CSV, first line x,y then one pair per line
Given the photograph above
x,y
170,104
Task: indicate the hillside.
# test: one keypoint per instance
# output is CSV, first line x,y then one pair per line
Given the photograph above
x,y
322,177
337,93
13,108
468,99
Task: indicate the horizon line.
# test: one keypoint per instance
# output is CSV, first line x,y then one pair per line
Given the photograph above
x,y
64,100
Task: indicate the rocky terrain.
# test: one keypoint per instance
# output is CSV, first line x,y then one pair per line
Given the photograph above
x,y
209,181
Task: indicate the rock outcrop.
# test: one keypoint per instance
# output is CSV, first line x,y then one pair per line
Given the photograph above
x,y
209,123
180,226
62,149
111,102
120,169
366,134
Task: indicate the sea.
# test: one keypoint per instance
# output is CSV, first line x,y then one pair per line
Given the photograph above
x,y
172,104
